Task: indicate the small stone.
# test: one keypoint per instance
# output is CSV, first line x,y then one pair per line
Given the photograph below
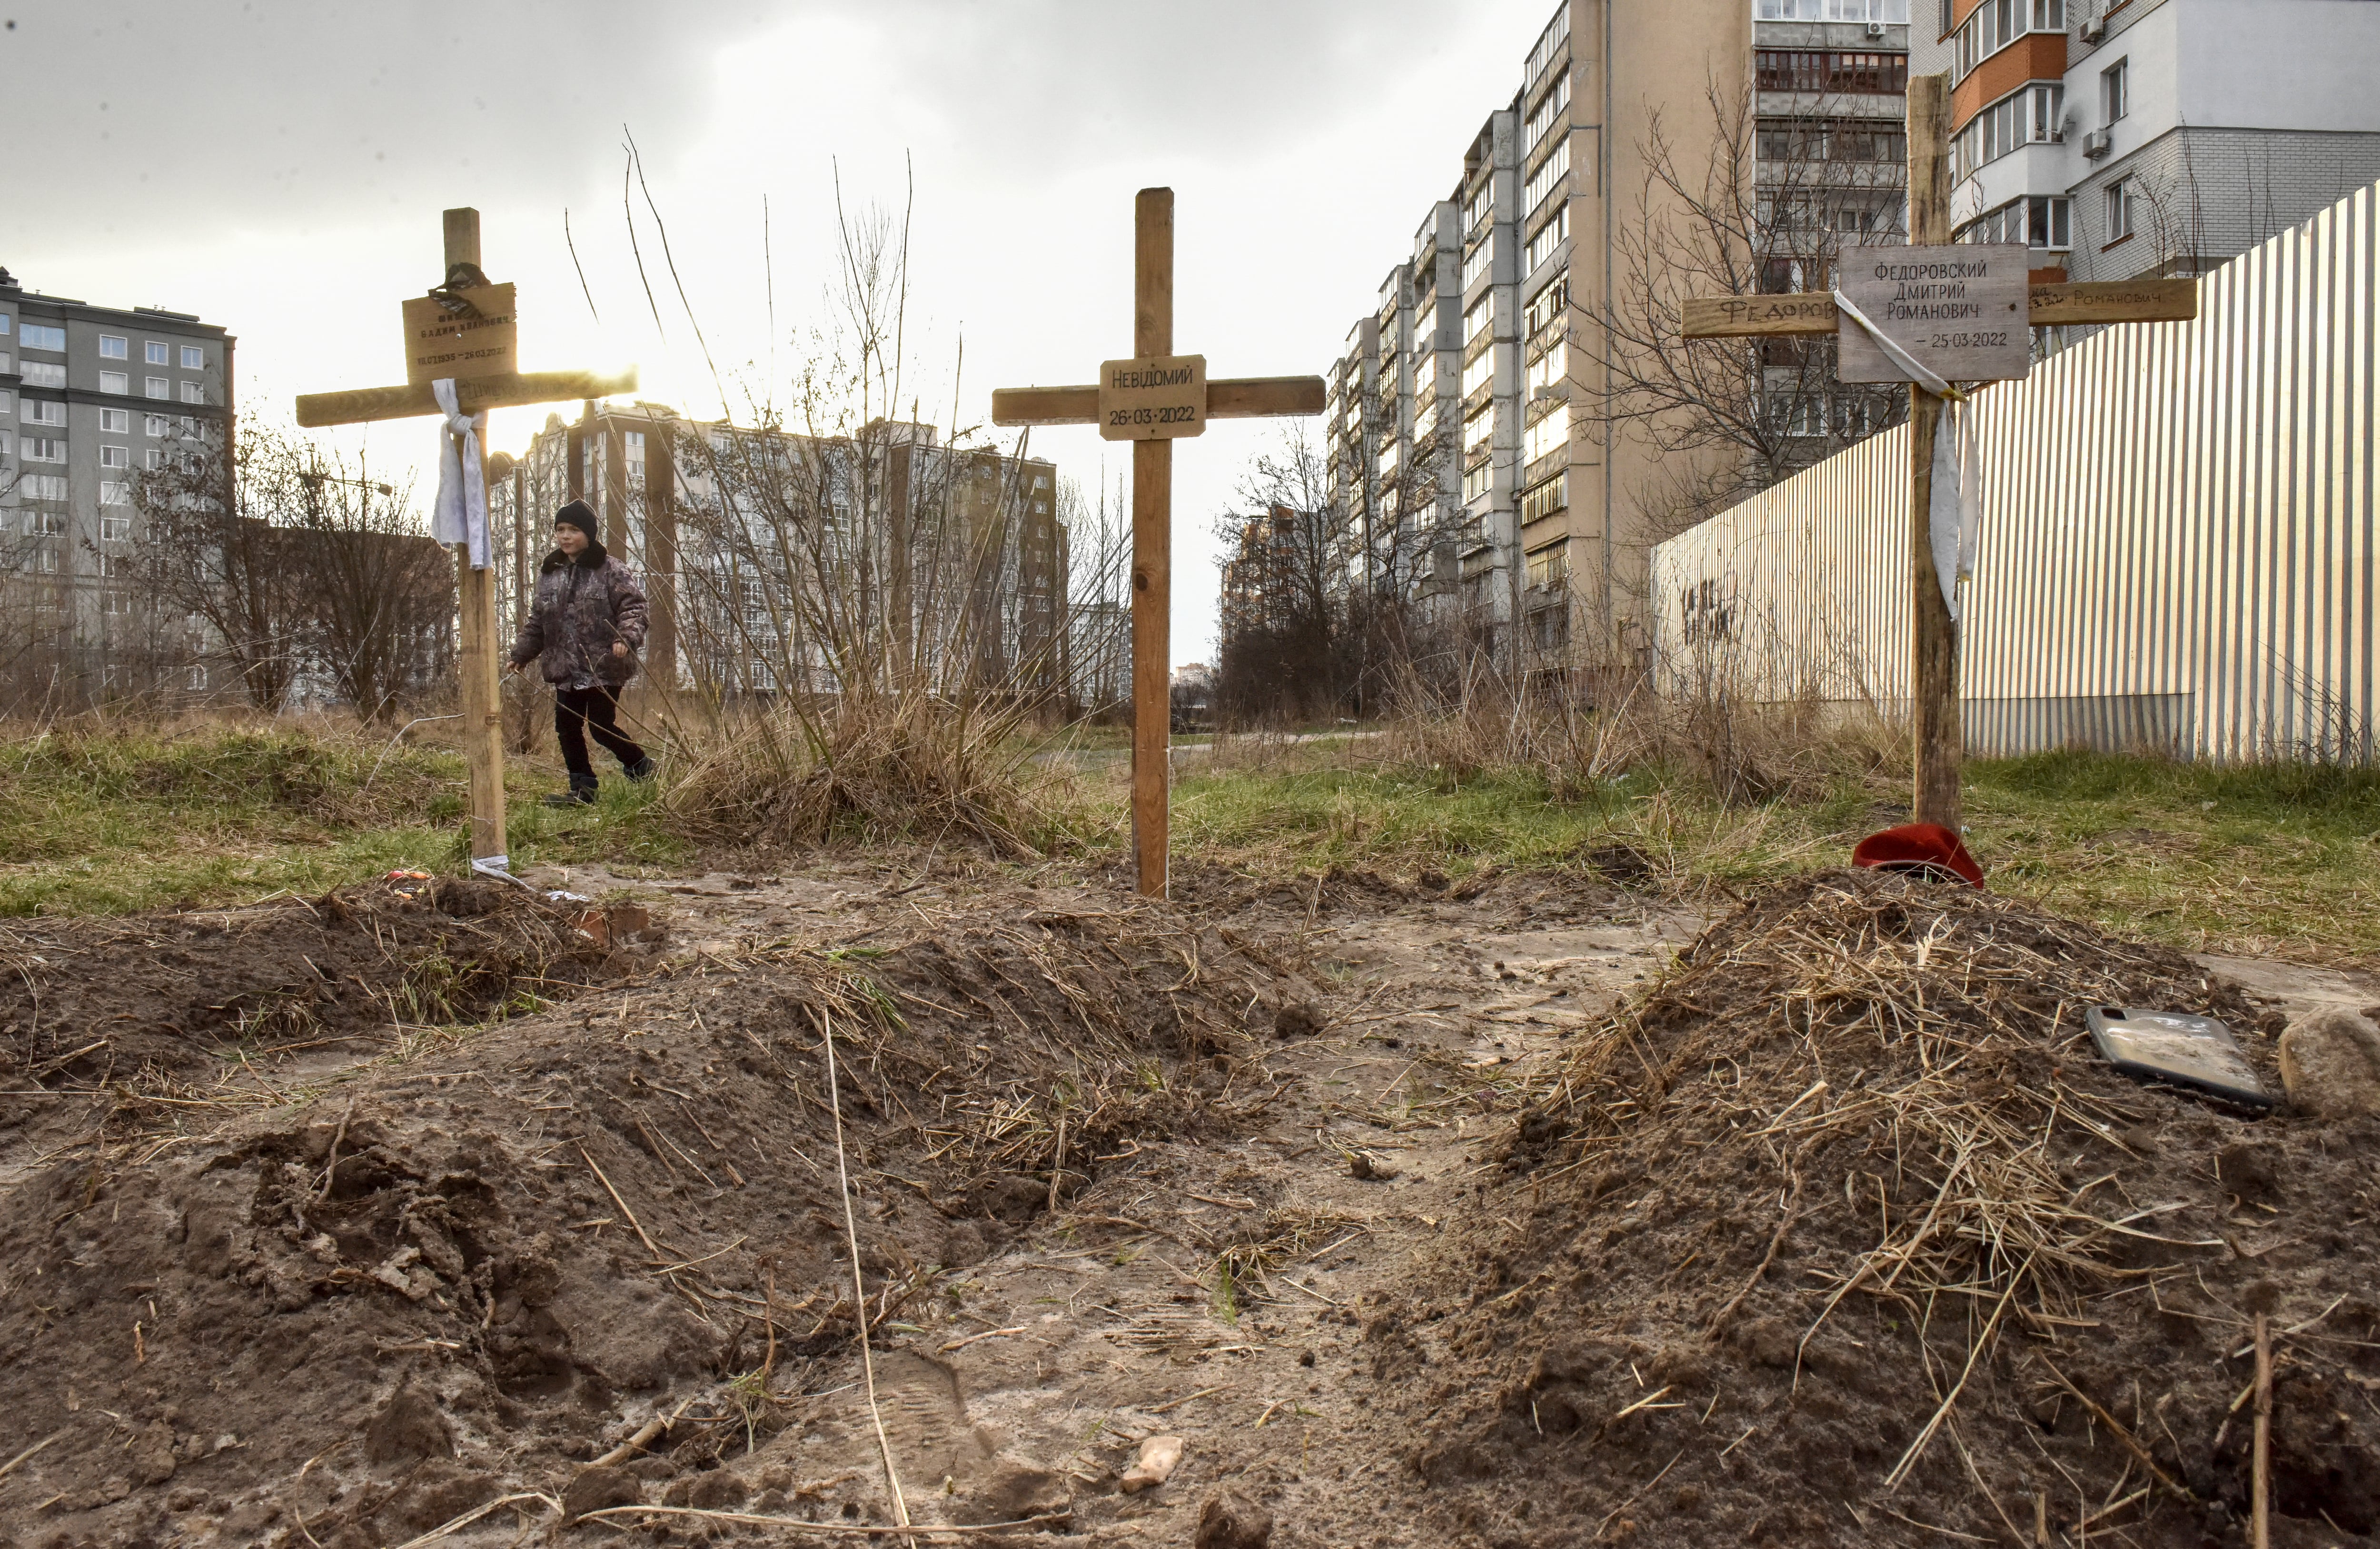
x,y
596,1488
2330,1064
720,1490
1159,1455
407,1429
1230,1521
1297,1019
1370,1165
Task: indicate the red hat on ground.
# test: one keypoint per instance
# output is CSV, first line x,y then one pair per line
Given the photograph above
x,y
1927,849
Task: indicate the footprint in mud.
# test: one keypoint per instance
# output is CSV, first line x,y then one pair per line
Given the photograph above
x,y
941,1454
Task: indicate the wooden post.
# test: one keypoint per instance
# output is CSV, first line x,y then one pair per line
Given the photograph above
x,y
483,729
1938,744
1152,551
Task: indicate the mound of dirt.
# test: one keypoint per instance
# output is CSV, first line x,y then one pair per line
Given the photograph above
x,y
1845,1233
465,1274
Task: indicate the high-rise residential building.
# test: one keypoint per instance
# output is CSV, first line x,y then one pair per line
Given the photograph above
x,y
769,551
90,397
2122,138
1476,455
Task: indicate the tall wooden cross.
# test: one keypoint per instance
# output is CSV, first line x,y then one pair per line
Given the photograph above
x,y
1148,400
479,357
1937,303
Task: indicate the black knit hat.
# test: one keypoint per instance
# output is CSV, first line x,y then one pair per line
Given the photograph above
x,y
579,515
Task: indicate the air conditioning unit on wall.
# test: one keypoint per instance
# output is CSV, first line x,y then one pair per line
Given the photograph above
x,y
2094,144
2093,29
1876,30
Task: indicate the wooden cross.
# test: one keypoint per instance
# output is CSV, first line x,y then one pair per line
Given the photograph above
x,y
1148,400
476,388
1934,667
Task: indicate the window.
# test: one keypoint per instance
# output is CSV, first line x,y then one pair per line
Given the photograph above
x,y
1546,307
160,388
1548,435
2032,116
1549,567
156,424
194,358
42,411
2115,91
1545,499
116,603
114,492
1476,320
7,444
115,422
4,325
1793,70
111,347
1477,264
115,530
1548,369
43,374
189,423
1995,24
45,561
115,457
2118,198
43,486
1894,11
154,352
45,524
6,400
1476,480
3,357
1547,177
40,335
1481,203
2044,222
43,448
1549,43
1550,238
155,460
1476,374
1549,112
193,393
114,382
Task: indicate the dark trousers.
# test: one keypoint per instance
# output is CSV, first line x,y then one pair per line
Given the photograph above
x,y
579,712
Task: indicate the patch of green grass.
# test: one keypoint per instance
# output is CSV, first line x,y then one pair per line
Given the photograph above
x,y
111,821
2254,860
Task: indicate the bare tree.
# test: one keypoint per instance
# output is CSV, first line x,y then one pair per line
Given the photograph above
x,y
381,590
1770,207
208,553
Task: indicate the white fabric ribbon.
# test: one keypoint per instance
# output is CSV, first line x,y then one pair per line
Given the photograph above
x,y
460,515
1954,511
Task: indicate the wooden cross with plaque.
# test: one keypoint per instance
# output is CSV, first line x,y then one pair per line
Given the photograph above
x,y
471,343
1149,400
1960,313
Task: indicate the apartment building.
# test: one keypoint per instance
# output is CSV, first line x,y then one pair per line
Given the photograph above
x,y
90,396
1473,458
776,561
2122,138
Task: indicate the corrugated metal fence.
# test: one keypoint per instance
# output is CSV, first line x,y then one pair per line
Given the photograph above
x,y
2178,547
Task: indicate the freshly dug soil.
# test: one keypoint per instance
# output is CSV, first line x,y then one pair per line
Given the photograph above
x,y
1843,1233
457,1274
91,1002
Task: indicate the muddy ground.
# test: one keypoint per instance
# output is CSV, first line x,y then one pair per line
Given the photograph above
x,y
1327,1182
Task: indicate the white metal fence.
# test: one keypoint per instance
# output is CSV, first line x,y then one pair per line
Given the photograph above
x,y
2178,547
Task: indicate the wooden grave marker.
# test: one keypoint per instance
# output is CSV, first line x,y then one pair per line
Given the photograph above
x,y
1956,345
478,355
1150,400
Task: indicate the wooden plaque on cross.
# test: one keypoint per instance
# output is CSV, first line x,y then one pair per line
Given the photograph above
x,y
1150,400
1935,732
482,653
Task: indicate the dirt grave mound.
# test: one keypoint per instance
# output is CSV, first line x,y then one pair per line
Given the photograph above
x,y
1845,1233
466,1274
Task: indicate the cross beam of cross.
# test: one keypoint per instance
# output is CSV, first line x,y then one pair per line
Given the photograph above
x,y
482,656
1939,744
1149,400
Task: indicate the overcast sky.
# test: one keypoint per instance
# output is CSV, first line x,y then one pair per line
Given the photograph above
x,y
278,167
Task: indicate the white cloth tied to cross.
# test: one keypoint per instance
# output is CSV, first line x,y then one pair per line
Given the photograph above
x,y
1955,511
460,515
